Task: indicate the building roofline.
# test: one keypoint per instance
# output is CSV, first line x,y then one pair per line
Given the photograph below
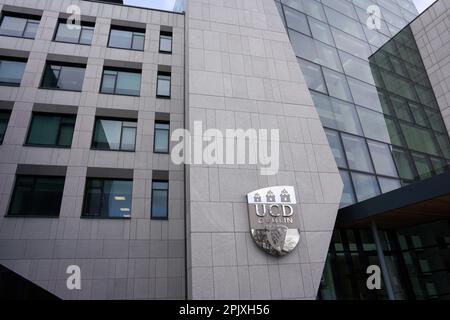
x,y
136,7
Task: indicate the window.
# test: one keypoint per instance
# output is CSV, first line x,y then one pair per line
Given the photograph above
x,y
11,71
165,42
114,135
106,198
348,196
382,159
337,85
297,21
160,200
357,153
121,82
63,76
126,39
80,35
163,87
313,75
16,25
161,144
4,119
336,147
51,130
37,196
366,186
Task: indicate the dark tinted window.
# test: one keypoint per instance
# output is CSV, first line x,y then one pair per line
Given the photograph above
x,y
11,72
51,130
160,199
108,198
63,77
114,135
17,26
4,119
121,82
37,196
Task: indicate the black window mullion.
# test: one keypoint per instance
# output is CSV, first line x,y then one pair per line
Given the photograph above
x,y
121,136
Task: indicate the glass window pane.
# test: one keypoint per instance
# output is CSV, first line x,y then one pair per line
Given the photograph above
x,y
337,114
422,165
382,159
120,39
365,95
66,34
128,83
128,139
160,200
419,139
4,119
108,82
403,164
71,78
296,20
163,86
138,41
51,74
356,68
320,31
117,197
93,198
366,186
66,135
337,85
336,147
165,43
351,44
313,75
374,125
11,72
37,196
388,185
44,130
161,139
86,35
31,29
348,196
357,153
12,26
107,134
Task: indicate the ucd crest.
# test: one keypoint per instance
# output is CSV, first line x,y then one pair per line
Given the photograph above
x,y
274,221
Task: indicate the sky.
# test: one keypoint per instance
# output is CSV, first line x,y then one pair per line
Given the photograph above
x,y
168,4
422,4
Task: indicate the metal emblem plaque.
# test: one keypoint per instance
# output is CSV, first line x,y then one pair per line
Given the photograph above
x,y
274,220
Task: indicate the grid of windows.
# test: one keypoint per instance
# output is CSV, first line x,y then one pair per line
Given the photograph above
x,y
378,119
18,25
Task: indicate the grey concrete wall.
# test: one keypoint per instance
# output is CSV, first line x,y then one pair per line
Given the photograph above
x,y
242,73
137,258
432,33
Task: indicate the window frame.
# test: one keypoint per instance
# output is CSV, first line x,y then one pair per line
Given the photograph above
x,y
127,29
34,19
61,65
152,217
34,177
122,120
117,70
83,210
60,126
164,74
166,34
83,26
168,135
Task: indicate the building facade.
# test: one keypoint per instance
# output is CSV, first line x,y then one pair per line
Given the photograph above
x,y
357,92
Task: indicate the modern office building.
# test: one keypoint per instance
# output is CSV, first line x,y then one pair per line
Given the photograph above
x,y
359,97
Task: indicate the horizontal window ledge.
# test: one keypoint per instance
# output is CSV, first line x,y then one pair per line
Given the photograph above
x,y
113,150
105,218
120,94
31,216
138,50
48,146
59,89
76,43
